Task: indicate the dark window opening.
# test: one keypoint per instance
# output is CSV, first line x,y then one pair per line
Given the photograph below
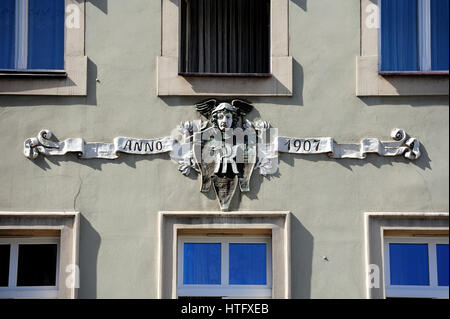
x,y
4,265
225,37
37,265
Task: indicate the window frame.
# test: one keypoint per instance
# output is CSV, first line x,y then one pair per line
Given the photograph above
x,y
14,291
370,82
49,224
170,83
433,290
380,224
224,290
174,223
72,81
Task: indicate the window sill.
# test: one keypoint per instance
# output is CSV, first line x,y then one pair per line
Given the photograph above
x,y
33,73
432,73
370,82
171,83
69,82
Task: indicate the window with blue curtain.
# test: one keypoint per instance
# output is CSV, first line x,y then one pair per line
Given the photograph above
x,y
416,267
414,36
228,266
32,35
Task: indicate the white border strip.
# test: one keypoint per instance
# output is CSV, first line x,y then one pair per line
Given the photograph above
x,y
424,26
21,35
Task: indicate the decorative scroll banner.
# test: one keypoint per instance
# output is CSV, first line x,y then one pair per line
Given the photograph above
x,y
401,145
43,145
225,149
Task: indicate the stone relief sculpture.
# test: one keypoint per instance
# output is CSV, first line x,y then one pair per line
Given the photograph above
x,y
224,147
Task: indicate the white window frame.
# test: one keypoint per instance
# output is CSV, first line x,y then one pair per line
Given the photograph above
x,y
13,291
225,290
410,291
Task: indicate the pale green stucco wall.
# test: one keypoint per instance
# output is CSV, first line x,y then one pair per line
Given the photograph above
x,y
119,200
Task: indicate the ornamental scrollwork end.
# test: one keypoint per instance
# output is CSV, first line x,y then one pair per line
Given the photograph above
x,y
411,145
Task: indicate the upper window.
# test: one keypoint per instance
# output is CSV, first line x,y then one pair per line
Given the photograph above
x,y
414,36
42,49
32,35
225,37
29,267
244,44
224,267
416,267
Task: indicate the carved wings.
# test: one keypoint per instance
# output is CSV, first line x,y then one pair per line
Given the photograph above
x,y
205,108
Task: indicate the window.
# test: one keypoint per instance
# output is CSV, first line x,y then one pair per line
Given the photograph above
x,y
42,48
416,267
226,267
236,233
244,60
398,59
405,254
39,255
32,37
29,267
414,36
221,37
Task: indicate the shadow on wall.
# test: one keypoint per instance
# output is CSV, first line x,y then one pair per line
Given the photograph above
x,y
40,100
89,246
97,164
302,4
414,101
100,4
378,161
302,245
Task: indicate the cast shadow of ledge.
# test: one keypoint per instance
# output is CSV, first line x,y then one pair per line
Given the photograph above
x,y
90,241
296,99
100,4
302,247
44,162
46,100
412,101
372,159
302,4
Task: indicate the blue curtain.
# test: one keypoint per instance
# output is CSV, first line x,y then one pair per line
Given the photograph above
x,y
409,264
7,40
46,34
202,264
442,264
248,264
399,35
439,35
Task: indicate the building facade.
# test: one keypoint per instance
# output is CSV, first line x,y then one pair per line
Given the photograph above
x,y
366,216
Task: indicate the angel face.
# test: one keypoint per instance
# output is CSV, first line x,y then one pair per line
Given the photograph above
x,y
224,120
224,115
